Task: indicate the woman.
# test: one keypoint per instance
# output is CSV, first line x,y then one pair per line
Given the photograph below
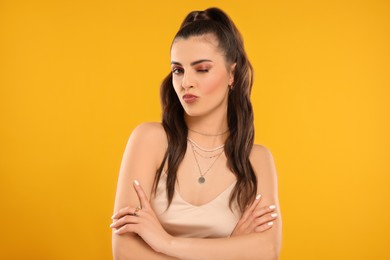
x,y
200,168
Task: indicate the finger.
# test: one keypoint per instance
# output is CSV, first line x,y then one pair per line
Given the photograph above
x,y
128,228
128,219
123,212
143,199
268,218
250,209
263,211
264,227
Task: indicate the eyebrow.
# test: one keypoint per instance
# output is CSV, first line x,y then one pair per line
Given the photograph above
x,y
192,63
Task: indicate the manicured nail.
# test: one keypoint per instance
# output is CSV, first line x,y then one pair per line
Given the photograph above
x,y
112,224
270,223
136,182
272,207
112,217
258,196
274,215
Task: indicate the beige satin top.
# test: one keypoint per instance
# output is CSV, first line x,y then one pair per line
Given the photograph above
x,y
182,219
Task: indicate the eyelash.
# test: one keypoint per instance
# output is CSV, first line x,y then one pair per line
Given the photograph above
x,y
180,70
177,70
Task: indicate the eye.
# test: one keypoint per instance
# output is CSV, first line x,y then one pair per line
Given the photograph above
x,y
202,68
177,70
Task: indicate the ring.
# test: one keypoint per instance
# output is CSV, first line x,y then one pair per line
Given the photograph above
x,y
136,210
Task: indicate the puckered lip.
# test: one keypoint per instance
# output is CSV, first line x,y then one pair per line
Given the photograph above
x,y
189,98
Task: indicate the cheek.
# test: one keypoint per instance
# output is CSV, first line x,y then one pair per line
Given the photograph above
x,y
215,84
176,84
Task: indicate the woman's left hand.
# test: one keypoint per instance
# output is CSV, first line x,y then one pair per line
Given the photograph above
x,y
142,221
255,219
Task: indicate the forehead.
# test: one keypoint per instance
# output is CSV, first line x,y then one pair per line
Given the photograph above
x,y
196,48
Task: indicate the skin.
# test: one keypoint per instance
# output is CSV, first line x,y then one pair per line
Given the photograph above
x,y
198,68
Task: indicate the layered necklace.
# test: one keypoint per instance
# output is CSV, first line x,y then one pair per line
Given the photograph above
x,y
224,132
212,155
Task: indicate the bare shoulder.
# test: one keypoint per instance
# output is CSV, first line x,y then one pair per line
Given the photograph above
x,y
150,132
143,155
149,137
267,185
263,162
261,155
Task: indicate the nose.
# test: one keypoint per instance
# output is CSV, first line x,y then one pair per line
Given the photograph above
x,y
187,81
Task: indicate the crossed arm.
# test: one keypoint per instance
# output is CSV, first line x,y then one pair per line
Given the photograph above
x,y
141,236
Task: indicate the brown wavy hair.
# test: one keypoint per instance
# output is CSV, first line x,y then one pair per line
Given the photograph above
x,y
239,143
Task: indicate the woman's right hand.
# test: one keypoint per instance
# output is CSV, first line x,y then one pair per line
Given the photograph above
x,y
255,219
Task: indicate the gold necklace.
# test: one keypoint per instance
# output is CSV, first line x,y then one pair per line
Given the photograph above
x,y
202,179
206,156
208,134
204,149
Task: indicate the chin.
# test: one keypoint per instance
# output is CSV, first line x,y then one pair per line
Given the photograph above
x,y
193,112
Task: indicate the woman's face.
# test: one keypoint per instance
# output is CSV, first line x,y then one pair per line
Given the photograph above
x,y
200,75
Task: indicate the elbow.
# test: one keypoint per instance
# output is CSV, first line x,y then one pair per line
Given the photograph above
x,y
272,250
270,253
273,255
117,254
119,248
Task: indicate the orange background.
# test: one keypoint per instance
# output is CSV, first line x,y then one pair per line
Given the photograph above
x,y
77,76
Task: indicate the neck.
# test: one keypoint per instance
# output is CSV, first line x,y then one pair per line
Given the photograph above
x,y
207,125
208,131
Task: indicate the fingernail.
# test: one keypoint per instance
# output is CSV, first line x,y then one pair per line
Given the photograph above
x,y
112,217
258,196
272,207
136,182
270,223
274,215
112,224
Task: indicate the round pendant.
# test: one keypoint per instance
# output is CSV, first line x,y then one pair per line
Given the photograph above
x,y
201,179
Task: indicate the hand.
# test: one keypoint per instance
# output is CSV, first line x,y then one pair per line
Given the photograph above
x,y
142,221
255,219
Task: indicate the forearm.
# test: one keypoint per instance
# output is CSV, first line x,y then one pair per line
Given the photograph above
x,y
131,247
251,246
